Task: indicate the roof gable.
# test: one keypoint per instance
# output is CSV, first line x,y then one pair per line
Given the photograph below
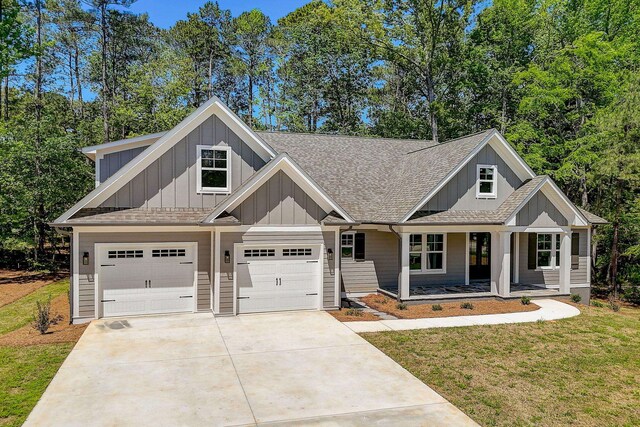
x,y
212,107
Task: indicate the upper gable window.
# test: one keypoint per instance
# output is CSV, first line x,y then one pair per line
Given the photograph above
x,y
214,171
486,182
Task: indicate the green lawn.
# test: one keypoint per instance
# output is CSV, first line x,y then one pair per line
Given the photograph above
x,y
25,372
580,371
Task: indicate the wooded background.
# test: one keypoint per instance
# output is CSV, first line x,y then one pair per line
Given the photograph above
x,y
559,78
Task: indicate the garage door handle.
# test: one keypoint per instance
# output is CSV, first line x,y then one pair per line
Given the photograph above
x,y
107,265
243,297
312,294
185,296
242,263
107,300
189,262
311,261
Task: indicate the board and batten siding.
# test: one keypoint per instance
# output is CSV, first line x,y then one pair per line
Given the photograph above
x,y
87,285
279,201
540,212
378,269
460,192
456,259
171,181
266,238
111,163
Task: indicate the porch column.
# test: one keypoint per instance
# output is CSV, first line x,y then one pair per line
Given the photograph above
x,y
501,263
403,285
565,263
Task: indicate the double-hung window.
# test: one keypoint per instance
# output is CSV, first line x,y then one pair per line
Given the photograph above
x,y
548,250
427,253
214,169
486,182
347,245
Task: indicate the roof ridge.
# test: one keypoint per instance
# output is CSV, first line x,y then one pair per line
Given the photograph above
x,y
452,140
340,135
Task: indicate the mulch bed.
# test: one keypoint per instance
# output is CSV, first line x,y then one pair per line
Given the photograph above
x,y
450,309
342,316
61,332
14,284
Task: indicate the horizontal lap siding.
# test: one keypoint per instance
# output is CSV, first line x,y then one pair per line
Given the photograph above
x,y
171,181
328,271
456,259
380,267
579,275
87,273
534,277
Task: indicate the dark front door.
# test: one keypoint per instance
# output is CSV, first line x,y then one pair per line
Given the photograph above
x,y
479,256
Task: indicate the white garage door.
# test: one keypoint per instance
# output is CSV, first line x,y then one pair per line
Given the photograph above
x,y
146,279
276,278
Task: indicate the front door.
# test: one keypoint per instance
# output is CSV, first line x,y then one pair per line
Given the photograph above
x,y
479,256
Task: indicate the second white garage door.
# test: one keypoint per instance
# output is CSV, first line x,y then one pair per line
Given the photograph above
x,y
278,278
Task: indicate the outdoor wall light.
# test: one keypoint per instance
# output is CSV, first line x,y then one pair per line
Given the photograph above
x,y
330,254
85,258
227,257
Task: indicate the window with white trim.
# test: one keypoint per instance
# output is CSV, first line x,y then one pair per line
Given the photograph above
x,y
347,245
548,250
427,253
214,171
486,184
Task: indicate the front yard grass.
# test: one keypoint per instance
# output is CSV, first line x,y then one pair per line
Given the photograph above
x,y
580,371
25,369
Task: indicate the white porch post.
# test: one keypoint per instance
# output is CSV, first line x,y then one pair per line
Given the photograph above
x,y
565,263
516,258
501,262
403,286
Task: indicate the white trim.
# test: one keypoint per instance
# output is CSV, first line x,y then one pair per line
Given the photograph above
x,y
564,275
139,228
404,287
466,259
98,157
579,285
120,145
353,244
97,248
212,190
493,181
275,229
76,273
216,274
555,238
588,256
212,107
337,259
282,163
212,271
516,257
520,167
424,253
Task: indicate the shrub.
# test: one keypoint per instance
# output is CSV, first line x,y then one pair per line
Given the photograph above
x,y
436,307
401,306
614,306
381,299
356,312
42,317
466,306
632,294
596,303
525,300
576,298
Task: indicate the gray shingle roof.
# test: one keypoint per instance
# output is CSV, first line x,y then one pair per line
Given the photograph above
x,y
593,218
374,179
153,216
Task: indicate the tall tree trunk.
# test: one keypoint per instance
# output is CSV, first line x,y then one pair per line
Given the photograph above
x,y
613,265
250,100
503,112
432,114
76,64
5,98
583,190
40,211
105,105
210,76
72,87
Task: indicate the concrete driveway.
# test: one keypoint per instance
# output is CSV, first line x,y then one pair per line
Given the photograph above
x,y
285,368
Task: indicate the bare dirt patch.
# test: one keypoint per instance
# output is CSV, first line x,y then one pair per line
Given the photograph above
x,y
450,309
14,284
344,315
61,332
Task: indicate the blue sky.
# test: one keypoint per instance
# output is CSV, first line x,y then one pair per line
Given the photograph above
x,y
164,13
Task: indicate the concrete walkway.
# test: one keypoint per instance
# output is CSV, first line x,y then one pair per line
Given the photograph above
x,y
550,309
298,368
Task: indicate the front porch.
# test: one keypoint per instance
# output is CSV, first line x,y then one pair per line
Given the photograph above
x,y
494,261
